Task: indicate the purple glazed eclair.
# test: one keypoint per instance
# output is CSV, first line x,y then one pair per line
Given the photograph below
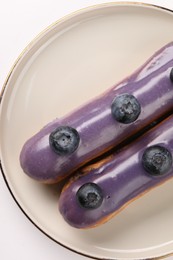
x,y
100,191
68,143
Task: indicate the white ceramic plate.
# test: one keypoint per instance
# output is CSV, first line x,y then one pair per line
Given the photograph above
x,y
72,61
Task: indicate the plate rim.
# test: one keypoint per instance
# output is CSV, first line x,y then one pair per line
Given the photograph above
x,y
15,63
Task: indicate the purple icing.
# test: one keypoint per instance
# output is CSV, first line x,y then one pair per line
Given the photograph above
x,y
98,130
121,179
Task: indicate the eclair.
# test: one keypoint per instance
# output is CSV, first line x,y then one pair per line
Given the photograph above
x,y
100,191
68,143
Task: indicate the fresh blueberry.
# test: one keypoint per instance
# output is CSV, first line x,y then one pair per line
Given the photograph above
x,y
171,75
157,160
125,108
90,196
64,140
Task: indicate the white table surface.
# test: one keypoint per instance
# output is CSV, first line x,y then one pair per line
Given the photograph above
x,y
20,22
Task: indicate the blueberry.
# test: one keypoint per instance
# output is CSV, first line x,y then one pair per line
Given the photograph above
x,y
64,140
171,75
157,160
125,108
89,196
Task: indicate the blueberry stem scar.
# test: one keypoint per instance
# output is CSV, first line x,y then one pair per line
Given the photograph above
x,y
125,108
89,196
64,140
157,160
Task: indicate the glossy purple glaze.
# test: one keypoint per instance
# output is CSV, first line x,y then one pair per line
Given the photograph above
x,y
98,130
121,179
